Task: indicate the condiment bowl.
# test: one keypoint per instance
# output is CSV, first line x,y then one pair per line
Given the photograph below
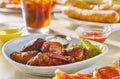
x,y
9,31
94,32
8,34
17,43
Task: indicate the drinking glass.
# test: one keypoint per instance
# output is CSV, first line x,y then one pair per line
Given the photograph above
x,y
36,15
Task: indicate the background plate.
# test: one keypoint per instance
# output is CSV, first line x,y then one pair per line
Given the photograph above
x,y
115,26
5,10
90,69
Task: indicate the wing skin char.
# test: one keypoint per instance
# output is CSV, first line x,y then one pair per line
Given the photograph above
x,y
23,57
77,53
53,47
33,45
47,59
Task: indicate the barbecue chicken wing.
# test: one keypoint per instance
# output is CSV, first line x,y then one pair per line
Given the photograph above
x,y
47,59
22,57
53,47
33,45
77,53
41,52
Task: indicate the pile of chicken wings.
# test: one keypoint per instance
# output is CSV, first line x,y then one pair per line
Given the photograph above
x,y
41,52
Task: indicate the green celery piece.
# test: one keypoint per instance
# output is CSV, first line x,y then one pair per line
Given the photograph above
x,y
93,49
77,45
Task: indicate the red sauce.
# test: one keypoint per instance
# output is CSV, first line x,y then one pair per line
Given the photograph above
x,y
106,72
117,77
93,35
76,76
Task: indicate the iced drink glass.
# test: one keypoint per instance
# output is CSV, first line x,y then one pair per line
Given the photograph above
x,y
36,15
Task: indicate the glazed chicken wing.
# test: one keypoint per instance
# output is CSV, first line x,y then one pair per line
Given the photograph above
x,y
41,52
53,47
77,53
22,57
47,59
33,45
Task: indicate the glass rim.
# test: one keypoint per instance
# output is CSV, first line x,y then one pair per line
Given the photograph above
x,y
88,27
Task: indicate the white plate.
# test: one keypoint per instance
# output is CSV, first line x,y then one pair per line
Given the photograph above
x,y
90,69
17,43
5,10
115,26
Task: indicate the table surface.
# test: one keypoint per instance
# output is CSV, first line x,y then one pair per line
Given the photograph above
x,y
9,71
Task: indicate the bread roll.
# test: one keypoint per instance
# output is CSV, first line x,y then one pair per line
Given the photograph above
x,y
116,8
101,6
116,2
106,7
84,5
98,1
77,3
105,16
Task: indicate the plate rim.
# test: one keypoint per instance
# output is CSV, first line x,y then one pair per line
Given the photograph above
x,y
114,26
7,10
92,68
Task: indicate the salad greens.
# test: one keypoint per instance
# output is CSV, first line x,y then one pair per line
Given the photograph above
x,y
92,49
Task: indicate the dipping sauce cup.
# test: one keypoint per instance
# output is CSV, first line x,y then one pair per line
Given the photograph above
x,y
9,33
36,15
94,32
